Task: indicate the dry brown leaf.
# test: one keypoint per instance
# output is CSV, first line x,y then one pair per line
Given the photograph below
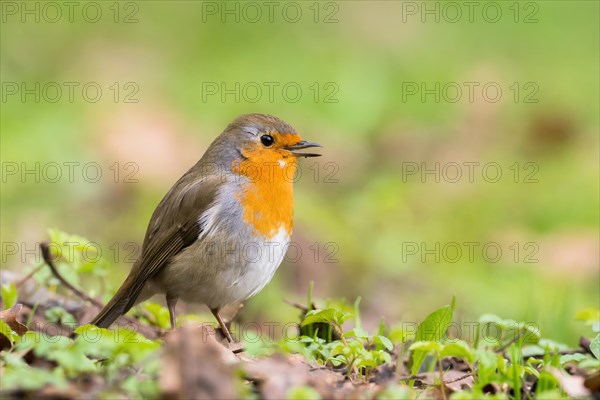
x,y
572,385
276,375
197,366
458,380
9,316
592,382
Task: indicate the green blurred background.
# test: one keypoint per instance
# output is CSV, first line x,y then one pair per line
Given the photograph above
x,y
355,63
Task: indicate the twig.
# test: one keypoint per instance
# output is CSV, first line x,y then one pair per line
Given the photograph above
x,y
410,377
560,353
28,276
296,305
46,254
584,343
301,307
513,340
317,369
468,374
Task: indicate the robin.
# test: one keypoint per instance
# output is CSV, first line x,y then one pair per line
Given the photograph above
x,y
220,233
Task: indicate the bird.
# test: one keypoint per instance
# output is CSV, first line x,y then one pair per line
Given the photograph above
x,y
220,233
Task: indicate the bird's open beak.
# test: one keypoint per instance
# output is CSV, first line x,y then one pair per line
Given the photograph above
x,y
303,144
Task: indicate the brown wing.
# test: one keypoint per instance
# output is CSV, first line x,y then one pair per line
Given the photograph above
x,y
173,227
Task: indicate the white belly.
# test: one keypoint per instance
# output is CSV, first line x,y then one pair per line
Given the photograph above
x,y
217,274
261,262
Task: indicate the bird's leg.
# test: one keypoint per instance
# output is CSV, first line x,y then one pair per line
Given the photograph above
x,y
171,302
215,312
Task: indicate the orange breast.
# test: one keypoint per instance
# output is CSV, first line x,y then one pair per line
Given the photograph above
x,y
268,199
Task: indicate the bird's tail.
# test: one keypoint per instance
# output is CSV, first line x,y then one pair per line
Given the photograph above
x,y
122,301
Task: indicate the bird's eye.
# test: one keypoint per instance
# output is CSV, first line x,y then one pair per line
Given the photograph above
x,y
266,140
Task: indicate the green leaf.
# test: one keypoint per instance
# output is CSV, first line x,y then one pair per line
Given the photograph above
x,y
140,388
366,362
9,333
531,371
551,395
488,364
123,346
325,315
426,347
491,319
496,331
9,295
73,362
160,314
431,329
45,345
546,382
436,323
28,378
387,358
357,332
76,255
400,334
458,349
381,331
515,370
575,358
595,346
396,392
357,313
59,315
302,393
534,350
530,333
590,363
552,346
383,341
66,353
